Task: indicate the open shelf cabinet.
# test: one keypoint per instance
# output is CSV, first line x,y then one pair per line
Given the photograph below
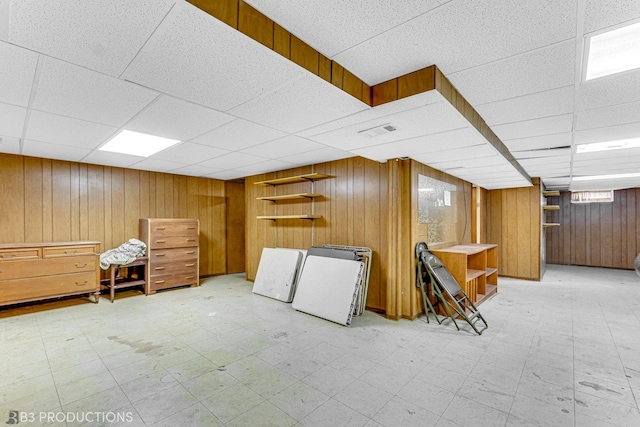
x,y
293,179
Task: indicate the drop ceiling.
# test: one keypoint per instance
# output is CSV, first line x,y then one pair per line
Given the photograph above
x,y
73,74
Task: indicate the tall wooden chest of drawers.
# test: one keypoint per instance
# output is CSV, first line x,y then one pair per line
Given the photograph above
x,y
172,248
37,271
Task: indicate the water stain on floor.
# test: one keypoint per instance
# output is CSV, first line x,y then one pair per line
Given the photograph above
x,y
139,346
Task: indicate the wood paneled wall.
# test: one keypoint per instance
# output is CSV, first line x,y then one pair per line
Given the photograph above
x,y
514,223
353,208
595,234
235,216
49,200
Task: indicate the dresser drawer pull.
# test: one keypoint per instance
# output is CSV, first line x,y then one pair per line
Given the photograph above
x,y
81,265
191,240
82,283
189,252
160,254
190,277
73,252
161,228
161,241
191,228
159,268
190,265
158,282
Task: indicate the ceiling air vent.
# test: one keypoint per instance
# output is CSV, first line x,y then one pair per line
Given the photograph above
x,y
378,130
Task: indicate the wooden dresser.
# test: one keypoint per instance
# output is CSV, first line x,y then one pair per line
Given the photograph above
x,y
172,248
37,271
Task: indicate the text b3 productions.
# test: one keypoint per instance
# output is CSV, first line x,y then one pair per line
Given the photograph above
x,y
39,418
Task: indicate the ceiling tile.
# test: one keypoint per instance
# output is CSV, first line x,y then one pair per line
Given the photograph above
x,y
611,90
505,29
88,95
535,71
264,167
600,14
537,142
227,174
111,159
53,151
605,184
609,116
319,21
544,126
158,165
534,106
426,120
12,120
378,112
103,36
287,146
464,153
9,145
233,161
562,159
17,70
545,152
610,133
238,134
56,129
195,170
176,119
322,155
200,59
189,152
300,104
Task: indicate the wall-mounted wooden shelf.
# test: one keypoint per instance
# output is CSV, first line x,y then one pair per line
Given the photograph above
x,y
550,224
289,196
276,217
551,193
292,179
551,207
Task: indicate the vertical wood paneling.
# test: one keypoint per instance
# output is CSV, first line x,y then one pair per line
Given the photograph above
x,y
255,25
596,234
69,201
224,10
385,92
304,55
235,230
281,41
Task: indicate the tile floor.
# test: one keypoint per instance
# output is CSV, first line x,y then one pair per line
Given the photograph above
x,y
564,351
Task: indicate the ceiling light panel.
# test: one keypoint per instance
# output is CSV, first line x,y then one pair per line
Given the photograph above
x,y
624,144
319,20
613,52
506,29
189,152
173,118
12,120
543,69
287,146
238,134
192,46
427,120
137,144
17,68
103,36
534,106
56,129
545,126
300,104
53,151
88,95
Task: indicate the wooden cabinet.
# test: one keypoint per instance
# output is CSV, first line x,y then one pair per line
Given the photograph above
x,y
309,177
172,248
37,271
475,268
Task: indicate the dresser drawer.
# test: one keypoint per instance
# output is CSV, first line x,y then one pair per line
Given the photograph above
x,y
8,254
173,254
40,267
35,288
174,228
60,251
173,242
172,280
189,267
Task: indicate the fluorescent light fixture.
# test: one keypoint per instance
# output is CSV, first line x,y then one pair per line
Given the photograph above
x,y
137,144
614,52
603,196
615,176
608,145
